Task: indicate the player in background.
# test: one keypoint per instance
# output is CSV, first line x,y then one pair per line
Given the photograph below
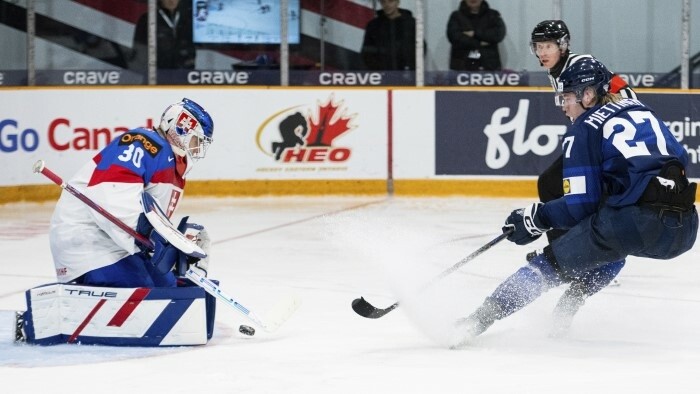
x,y
550,43
626,193
89,249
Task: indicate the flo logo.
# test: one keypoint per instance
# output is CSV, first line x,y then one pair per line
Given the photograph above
x,y
497,150
289,136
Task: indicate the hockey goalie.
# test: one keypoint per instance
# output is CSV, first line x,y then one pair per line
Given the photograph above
x,y
120,264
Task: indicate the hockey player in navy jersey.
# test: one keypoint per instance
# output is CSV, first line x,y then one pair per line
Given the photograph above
x,y
625,193
86,247
550,43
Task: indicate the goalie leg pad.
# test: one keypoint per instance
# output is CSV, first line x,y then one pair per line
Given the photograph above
x,y
92,315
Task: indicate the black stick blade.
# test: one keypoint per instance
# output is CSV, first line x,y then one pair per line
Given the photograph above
x,y
365,309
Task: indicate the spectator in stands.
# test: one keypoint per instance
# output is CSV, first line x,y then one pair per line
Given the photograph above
x,y
175,49
390,39
474,31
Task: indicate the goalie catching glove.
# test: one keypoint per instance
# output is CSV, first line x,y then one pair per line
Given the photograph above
x,y
526,226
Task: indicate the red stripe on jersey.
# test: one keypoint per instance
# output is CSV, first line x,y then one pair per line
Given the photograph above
x,y
341,10
85,322
129,306
617,84
168,175
181,165
127,10
114,173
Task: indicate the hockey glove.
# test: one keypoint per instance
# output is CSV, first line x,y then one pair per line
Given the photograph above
x,y
200,236
165,255
526,226
143,227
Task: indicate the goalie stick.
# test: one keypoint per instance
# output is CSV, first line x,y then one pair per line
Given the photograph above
x,y
40,168
163,226
363,308
274,318
152,210
278,315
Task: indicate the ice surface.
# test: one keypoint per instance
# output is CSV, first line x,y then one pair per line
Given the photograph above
x,y
640,337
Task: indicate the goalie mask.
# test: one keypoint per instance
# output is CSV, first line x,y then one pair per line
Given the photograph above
x,y
581,75
188,128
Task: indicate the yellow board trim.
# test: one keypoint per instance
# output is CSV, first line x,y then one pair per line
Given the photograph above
x,y
254,188
471,187
29,193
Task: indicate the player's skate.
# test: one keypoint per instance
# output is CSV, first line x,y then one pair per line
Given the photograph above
x,y
470,327
20,336
532,255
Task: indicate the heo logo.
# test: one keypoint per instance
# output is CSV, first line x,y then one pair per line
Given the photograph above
x,y
497,150
306,138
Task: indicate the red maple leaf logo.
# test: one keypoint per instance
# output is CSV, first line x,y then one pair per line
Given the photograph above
x,y
323,132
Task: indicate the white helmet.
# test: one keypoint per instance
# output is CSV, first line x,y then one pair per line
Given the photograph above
x,y
181,122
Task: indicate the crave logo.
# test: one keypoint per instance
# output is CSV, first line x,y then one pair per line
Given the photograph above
x,y
307,134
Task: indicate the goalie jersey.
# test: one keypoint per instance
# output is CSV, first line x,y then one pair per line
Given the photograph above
x,y
611,153
139,160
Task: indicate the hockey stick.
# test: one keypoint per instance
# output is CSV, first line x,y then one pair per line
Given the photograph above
x,y
160,222
274,318
40,168
152,210
282,311
363,308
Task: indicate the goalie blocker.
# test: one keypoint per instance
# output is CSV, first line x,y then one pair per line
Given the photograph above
x,y
91,315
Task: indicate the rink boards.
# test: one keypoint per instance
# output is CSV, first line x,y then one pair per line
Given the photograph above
x,y
487,142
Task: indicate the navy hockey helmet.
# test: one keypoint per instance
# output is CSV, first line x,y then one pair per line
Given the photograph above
x,y
550,30
581,75
184,121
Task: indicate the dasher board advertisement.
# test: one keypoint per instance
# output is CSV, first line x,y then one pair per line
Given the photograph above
x,y
258,133
518,133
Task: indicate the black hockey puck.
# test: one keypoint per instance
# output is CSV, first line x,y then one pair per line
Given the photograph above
x,y
247,330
